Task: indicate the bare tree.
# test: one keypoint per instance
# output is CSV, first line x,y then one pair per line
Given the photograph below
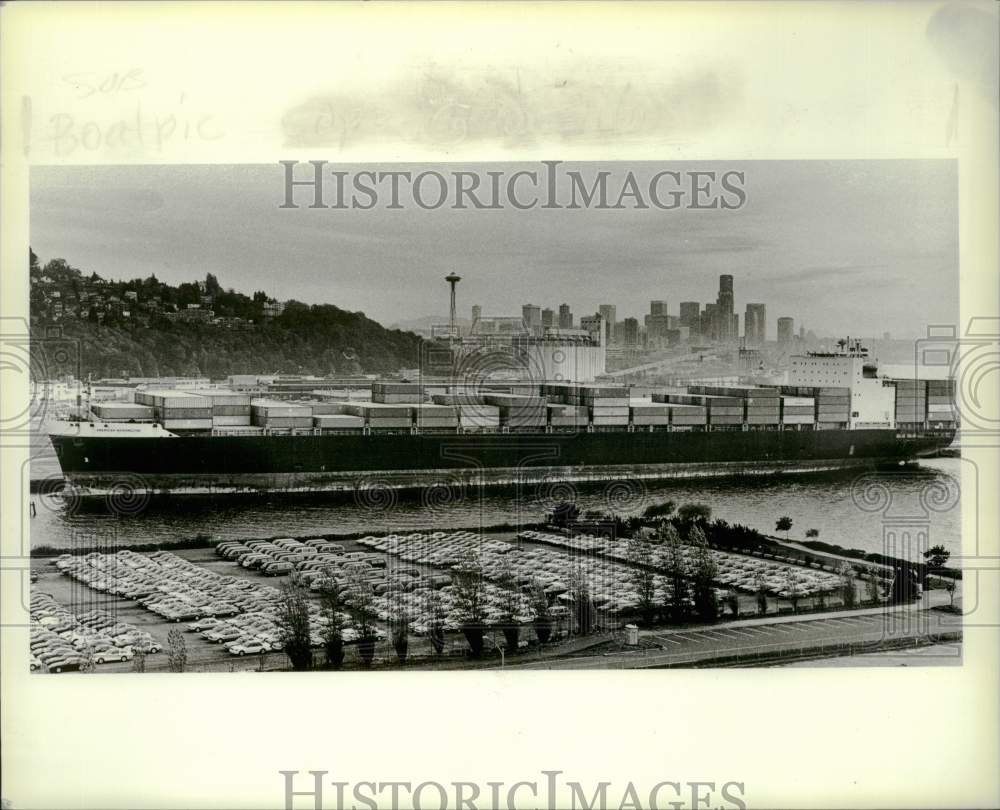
x,y
675,585
950,584
703,577
512,607
292,619
640,555
792,587
470,598
436,617
848,588
583,604
87,663
543,615
761,587
361,599
139,652
331,605
176,650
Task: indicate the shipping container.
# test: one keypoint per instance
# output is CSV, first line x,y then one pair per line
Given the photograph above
x,y
188,424
230,421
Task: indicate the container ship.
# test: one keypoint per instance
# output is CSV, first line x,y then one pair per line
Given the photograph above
x,y
836,413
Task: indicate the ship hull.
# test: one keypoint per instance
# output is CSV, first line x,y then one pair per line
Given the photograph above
x,y
98,465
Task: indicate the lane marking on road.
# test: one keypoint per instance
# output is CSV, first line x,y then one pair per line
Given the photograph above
x,y
727,633
800,628
667,639
775,628
706,636
756,631
743,631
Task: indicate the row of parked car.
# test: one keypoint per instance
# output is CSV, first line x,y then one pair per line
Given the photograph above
x,y
317,564
736,571
63,641
170,586
283,555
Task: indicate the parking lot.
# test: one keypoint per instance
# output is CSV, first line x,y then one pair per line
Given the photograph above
x,y
225,599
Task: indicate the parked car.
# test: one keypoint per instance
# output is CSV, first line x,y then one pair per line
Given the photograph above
x,y
117,654
249,647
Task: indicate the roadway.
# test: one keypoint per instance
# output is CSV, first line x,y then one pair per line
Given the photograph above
x,y
756,637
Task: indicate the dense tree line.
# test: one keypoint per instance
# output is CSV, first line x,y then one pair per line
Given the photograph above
x,y
304,339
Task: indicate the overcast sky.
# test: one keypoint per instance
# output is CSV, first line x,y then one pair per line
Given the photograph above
x,y
857,247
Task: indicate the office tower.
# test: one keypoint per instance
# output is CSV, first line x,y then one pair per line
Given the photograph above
x,y
565,317
786,330
532,317
548,318
755,324
630,332
477,313
610,314
657,307
724,307
691,318
709,327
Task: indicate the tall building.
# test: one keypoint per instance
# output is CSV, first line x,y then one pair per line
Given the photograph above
x,y
786,330
477,312
630,331
709,326
565,317
724,304
532,316
594,324
657,307
610,314
691,317
657,327
755,324
548,318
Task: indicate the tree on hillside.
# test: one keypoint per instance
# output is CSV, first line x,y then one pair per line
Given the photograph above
x,y
783,524
811,532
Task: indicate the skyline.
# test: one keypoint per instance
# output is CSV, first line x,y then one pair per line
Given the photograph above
x,y
860,247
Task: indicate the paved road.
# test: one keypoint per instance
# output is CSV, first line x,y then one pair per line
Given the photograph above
x,y
683,647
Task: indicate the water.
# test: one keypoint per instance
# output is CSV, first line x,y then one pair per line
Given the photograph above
x,y
852,509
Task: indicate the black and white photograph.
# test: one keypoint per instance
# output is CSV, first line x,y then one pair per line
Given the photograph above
x,y
519,416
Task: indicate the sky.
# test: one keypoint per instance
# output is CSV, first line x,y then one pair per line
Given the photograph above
x,y
844,247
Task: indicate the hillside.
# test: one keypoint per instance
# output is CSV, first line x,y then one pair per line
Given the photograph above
x,y
145,328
